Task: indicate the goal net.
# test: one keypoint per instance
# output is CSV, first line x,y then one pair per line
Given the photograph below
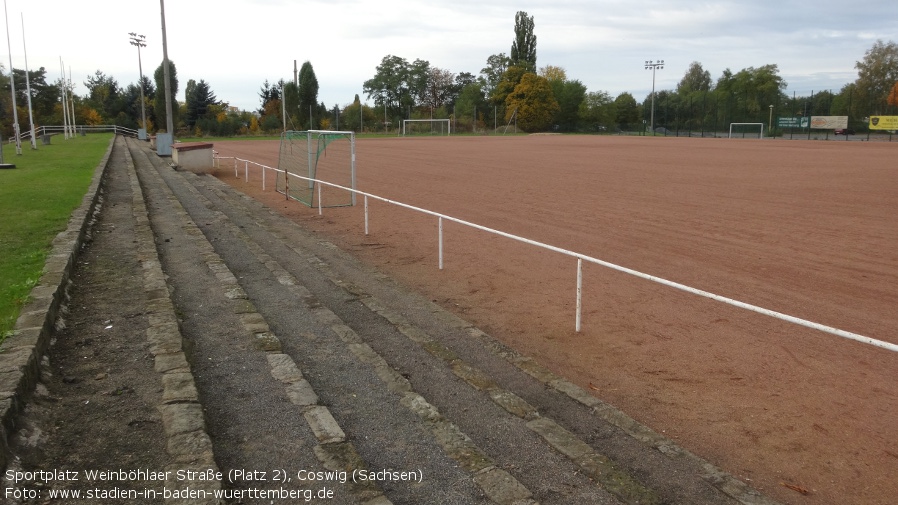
x,y
425,127
746,130
307,157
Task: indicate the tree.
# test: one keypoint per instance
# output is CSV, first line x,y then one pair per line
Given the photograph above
x,y
533,102
893,95
695,79
461,80
44,96
308,95
198,97
510,79
356,115
553,73
492,73
877,74
747,95
471,105
597,110
570,95
626,111
159,98
523,49
386,86
267,94
438,91
291,105
103,94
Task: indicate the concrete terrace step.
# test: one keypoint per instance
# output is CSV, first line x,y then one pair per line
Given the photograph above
x,y
375,353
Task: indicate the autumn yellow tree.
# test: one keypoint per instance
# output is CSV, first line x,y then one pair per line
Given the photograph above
x,y
534,102
893,95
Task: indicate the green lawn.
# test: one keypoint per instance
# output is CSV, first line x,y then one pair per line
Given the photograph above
x,y
36,199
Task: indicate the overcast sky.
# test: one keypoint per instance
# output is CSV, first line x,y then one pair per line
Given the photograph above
x,y
235,45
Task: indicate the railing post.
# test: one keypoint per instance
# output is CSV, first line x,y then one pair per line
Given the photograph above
x,y
579,292
263,177
441,241
366,214
319,199
246,170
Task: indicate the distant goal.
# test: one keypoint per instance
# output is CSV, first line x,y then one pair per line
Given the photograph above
x,y
306,158
746,130
425,127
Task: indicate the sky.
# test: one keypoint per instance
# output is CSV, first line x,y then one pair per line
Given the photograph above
x,y
235,45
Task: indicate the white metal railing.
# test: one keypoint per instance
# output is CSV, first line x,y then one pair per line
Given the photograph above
x,y
580,259
57,129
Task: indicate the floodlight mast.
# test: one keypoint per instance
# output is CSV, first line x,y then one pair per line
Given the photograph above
x,y
660,66
140,41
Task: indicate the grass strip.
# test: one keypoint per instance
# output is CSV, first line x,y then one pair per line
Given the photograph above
x,y
36,200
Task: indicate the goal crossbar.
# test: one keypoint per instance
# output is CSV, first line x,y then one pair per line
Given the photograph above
x,y
447,128
760,133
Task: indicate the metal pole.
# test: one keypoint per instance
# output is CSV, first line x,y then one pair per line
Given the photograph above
x,y
28,86
140,41
71,89
166,72
577,324
12,86
366,214
65,104
441,242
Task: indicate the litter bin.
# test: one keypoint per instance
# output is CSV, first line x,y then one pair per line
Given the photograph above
x,y
45,139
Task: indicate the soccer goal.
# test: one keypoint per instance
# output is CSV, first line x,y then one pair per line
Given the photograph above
x,y
425,127
744,129
307,157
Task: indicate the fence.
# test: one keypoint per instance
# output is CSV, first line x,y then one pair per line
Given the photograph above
x,y
74,130
578,256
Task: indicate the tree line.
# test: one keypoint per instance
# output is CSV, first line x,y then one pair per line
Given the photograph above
x,y
509,89
512,88
107,102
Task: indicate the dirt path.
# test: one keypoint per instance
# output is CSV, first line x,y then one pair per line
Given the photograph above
x,y
804,228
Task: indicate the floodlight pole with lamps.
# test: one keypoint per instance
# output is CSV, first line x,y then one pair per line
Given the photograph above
x,y
660,66
140,41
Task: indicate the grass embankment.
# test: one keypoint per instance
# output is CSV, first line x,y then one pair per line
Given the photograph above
x,y
36,199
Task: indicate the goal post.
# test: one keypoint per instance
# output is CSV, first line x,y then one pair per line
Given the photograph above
x,y
744,128
425,127
305,158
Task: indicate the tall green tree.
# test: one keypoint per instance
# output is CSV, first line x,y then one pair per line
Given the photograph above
x,y
523,49
695,79
198,97
308,96
626,112
159,98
